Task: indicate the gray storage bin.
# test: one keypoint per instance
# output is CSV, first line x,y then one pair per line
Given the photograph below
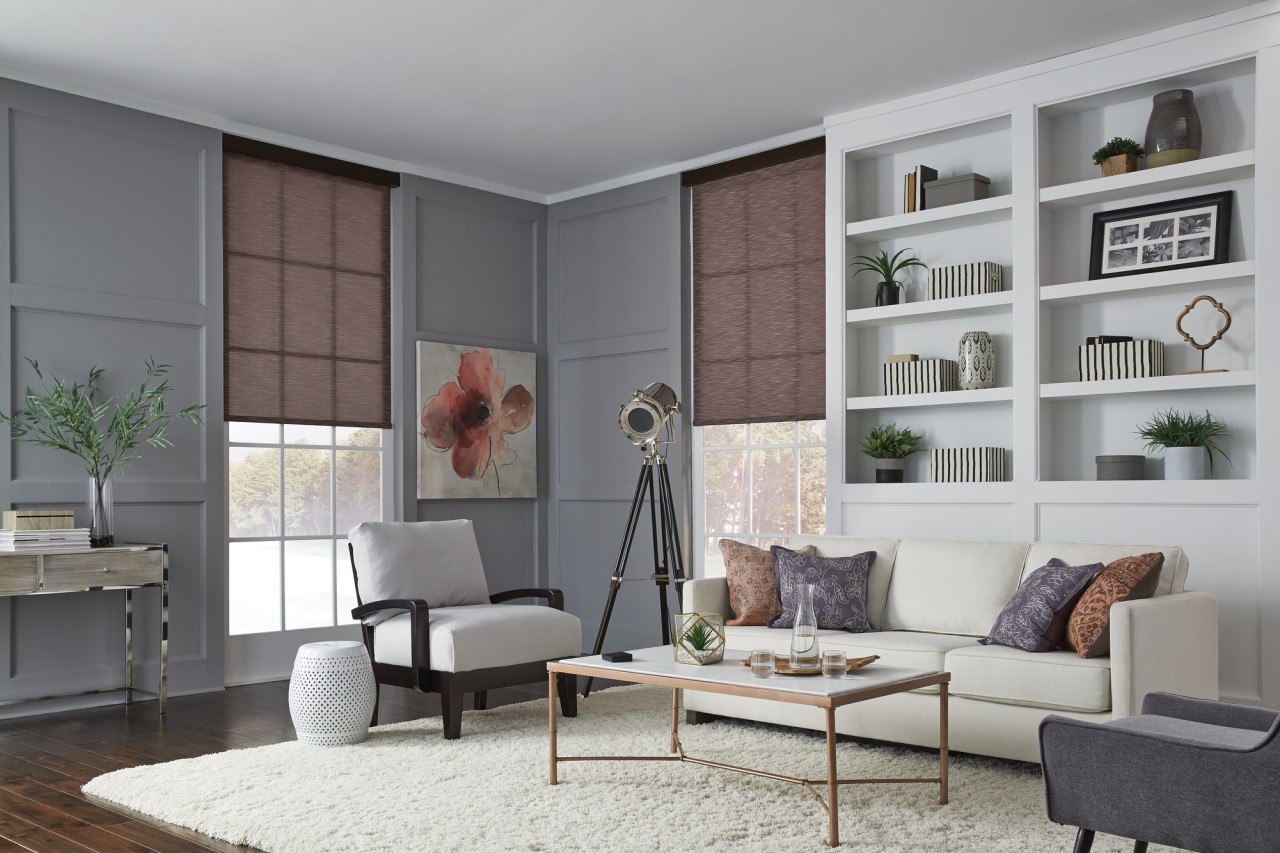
x,y
956,189
1121,467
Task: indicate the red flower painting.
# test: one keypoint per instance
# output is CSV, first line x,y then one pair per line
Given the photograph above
x,y
472,415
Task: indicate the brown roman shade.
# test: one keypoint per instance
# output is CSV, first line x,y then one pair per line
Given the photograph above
x,y
307,265
759,305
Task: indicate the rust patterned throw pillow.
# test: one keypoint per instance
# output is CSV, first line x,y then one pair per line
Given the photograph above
x,y
753,584
1126,579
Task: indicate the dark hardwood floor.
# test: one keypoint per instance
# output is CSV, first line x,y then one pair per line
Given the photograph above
x,y
45,759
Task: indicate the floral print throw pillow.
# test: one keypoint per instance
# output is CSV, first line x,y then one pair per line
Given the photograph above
x,y
753,587
1035,619
839,589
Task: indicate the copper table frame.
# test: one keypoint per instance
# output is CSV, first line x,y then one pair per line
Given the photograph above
x,y
828,703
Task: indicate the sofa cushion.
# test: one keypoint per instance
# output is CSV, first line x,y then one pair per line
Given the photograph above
x,y
481,636
1035,619
839,588
886,551
1126,579
437,561
1173,574
752,582
952,586
1060,680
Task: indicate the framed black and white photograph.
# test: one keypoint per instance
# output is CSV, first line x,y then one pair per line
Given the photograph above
x,y
1183,233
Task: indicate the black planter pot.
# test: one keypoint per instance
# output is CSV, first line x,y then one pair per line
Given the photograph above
x,y
886,475
888,295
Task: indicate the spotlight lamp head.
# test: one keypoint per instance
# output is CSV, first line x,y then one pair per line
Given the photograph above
x,y
642,418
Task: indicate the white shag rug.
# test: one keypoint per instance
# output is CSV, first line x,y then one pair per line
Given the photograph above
x,y
408,789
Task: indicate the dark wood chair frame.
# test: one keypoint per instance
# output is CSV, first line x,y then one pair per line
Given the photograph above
x,y
452,686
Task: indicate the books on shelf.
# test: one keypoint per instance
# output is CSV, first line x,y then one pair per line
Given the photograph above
x,y
913,188
34,540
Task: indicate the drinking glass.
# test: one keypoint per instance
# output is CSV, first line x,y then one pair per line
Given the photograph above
x,y
833,664
762,663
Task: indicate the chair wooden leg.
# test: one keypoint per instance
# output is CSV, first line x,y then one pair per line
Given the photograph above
x,y
567,687
1139,847
1084,841
377,690
451,708
480,701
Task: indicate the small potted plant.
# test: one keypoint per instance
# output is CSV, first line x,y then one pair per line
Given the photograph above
x,y
888,290
1187,440
1118,156
699,638
890,447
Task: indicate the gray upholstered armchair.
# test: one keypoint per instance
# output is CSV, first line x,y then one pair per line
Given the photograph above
x,y
1189,773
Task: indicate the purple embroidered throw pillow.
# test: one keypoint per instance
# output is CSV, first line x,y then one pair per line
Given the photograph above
x,y
1035,619
839,588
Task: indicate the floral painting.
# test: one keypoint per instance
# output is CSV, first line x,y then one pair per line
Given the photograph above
x,y
475,422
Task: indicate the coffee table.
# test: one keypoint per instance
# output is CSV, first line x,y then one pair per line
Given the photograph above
x,y
657,666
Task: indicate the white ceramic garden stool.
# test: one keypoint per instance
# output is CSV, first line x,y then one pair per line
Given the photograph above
x,y
332,692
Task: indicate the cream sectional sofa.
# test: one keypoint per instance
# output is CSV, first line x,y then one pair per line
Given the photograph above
x,y
932,599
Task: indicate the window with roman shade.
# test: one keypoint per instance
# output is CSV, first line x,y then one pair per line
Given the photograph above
x,y
759,305
307,265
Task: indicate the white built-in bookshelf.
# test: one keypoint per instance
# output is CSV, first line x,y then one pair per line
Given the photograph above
x,y
1032,132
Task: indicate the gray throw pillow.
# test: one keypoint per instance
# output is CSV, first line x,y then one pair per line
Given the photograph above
x,y
839,593
1035,619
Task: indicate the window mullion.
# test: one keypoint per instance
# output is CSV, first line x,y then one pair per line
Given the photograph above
x,y
284,592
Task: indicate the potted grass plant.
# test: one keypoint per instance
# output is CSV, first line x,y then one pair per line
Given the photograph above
x,y
1188,441
104,435
1118,156
888,289
889,448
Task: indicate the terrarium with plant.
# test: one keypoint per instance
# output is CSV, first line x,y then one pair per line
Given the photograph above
x,y
699,638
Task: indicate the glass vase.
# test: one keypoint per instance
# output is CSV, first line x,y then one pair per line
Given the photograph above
x,y
804,632
100,509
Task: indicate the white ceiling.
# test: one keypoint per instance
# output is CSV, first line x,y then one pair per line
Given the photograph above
x,y
541,98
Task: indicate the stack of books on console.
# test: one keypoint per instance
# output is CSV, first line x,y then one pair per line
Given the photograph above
x,y
34,540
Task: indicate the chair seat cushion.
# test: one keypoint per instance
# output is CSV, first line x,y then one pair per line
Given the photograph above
x,y
1191,732
482,636
1060,680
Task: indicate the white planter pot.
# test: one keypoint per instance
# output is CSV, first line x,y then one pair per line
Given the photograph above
x,y
1184,463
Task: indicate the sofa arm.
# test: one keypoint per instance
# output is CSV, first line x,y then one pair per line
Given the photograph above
x,y
707,595
1167,644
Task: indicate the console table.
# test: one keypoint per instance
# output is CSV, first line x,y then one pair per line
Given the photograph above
x,y
123,567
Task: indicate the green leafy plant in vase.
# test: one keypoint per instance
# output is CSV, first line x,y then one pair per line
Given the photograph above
x,y
888,290
890,447
1118,156
1188,441
103,435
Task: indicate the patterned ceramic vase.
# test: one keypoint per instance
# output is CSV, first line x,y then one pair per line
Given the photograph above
x,y
1173,131
977,361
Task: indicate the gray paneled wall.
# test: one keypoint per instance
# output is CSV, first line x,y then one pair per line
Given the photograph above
x,y
110,238
615,325
473,273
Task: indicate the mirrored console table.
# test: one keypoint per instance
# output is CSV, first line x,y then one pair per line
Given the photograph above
x,y
119,567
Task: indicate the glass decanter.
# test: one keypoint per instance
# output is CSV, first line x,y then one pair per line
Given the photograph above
x,y
804,633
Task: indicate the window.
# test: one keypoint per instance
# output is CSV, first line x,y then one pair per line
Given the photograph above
x,y
293,493
759,483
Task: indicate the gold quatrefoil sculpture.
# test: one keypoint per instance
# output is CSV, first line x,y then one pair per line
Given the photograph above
x,y
1217,335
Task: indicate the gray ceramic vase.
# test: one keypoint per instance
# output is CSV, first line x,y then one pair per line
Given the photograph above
x,y
977,361
1173,131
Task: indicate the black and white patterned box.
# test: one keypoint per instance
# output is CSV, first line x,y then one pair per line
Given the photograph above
x,y
1121,360
921,377
965,280
966,465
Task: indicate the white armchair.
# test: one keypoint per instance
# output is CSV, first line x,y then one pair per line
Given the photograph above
x,y
429,621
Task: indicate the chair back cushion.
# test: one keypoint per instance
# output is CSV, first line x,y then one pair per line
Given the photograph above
x,y
438,561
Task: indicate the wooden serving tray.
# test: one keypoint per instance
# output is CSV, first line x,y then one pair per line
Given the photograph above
x,y
782,665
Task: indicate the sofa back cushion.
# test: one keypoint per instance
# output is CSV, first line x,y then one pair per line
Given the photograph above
x,y
886,551
951,586
1173,574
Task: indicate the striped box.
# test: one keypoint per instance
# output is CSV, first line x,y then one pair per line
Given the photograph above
x,y
921,377
965,280
1122,360
966,465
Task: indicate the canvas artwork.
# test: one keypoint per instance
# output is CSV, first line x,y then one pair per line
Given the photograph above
x,y
475,422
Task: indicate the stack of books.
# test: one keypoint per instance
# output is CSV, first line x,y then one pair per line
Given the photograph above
x,y
913,187
34,540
